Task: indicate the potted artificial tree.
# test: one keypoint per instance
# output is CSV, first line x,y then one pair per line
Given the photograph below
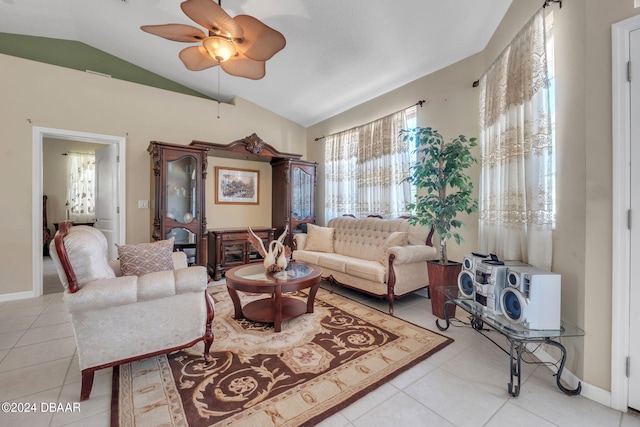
x,y
443,191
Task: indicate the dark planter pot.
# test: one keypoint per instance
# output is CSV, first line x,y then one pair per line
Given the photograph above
x,y
440,276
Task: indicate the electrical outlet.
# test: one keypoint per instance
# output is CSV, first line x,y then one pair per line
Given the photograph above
x,y
143,204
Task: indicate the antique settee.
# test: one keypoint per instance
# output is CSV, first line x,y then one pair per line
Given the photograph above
x,y
119,312
381,257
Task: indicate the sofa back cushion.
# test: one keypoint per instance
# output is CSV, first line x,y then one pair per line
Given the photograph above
x,y
365,238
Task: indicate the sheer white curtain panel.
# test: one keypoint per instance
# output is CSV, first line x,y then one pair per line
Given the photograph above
x,y
517,165
365,167
81,187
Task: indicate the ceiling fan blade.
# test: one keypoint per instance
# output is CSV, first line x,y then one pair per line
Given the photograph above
x,y
212,17
176,32
240,66
261,42
196,58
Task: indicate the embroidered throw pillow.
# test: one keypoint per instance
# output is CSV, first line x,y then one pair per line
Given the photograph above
x,y
143,258
319,239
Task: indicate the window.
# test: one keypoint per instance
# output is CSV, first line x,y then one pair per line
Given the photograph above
x,y
81,187
517,181
366,166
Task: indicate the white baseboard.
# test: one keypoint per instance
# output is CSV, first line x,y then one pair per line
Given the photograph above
x,y
596,394
16,296
589,391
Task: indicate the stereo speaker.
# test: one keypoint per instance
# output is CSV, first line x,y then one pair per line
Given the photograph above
x,y
532,298
465,282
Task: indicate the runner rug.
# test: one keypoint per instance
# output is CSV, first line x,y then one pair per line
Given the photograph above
x,y
320,363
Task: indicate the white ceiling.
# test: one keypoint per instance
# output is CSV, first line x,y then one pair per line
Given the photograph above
x,y
339,53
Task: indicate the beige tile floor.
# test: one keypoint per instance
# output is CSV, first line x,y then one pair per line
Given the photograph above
x,y
461,385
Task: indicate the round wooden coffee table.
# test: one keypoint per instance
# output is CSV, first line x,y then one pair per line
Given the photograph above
x,y
278,307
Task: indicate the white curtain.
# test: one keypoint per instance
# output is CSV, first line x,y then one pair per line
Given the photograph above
x,y
365,167
81,187
517,166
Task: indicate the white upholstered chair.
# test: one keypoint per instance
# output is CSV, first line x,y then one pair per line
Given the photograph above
x,y
121,318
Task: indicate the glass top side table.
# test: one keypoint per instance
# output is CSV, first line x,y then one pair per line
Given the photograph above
x,y
516,334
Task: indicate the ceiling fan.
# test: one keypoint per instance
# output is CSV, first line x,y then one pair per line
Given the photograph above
x,y
240,45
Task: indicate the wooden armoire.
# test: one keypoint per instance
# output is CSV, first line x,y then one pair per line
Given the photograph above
x,y
293,181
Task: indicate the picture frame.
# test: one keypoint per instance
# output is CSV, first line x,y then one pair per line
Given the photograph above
x,y
237,186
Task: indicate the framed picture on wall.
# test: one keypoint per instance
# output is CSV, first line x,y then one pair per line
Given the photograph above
x,y
237,186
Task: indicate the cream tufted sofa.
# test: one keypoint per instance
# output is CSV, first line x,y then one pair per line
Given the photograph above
x,y
118,319
381,257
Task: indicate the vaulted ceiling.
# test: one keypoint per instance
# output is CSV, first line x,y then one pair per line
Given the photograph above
x,y
339,53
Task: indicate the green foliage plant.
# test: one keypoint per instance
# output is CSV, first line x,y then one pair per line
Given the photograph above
x,y
443,188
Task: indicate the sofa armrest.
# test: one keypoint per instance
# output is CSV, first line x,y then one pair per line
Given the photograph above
x,y
191,279
412,253
300,240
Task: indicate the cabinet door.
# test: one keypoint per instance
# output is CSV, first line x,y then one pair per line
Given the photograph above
x,y
301,194
181,189
232,253
252,253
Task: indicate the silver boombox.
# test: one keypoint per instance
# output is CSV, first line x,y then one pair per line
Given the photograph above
x,y
490,281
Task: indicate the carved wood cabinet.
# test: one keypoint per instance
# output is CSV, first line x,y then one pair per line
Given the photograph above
x,y
178,191
294,189
228,248
293,181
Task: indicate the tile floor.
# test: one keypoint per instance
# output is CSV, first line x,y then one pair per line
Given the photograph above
x,y
461,385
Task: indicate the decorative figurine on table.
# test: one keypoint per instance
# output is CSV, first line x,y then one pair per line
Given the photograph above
x,y
276,258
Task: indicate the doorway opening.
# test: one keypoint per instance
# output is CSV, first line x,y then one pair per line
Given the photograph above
x,y
40,135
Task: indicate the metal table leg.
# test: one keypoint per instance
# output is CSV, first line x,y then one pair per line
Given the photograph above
x,y
446,317
515,365
565,390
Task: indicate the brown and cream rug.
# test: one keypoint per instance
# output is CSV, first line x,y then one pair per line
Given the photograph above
x,y
320,363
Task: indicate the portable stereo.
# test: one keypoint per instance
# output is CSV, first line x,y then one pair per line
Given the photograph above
x,y
467,275
532,297
490,281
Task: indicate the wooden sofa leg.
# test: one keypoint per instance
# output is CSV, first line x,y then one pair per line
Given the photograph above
x,y
87,384
391,304
332,282
208,335
391,283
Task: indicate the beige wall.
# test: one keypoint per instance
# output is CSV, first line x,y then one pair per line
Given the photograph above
x,y
582,242
451,107
37,94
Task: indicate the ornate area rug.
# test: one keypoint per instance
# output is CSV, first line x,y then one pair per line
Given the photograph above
x,y
320,363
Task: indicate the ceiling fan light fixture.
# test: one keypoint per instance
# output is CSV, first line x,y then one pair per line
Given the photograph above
x,y
240,45
220,48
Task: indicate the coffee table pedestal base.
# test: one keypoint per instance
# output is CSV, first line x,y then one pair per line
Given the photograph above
x,y
264,311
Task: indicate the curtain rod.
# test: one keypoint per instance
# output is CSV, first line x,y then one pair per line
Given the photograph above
x,y
419,103
546,3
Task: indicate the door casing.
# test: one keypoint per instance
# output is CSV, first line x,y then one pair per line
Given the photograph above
x,y
38,136
621,203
